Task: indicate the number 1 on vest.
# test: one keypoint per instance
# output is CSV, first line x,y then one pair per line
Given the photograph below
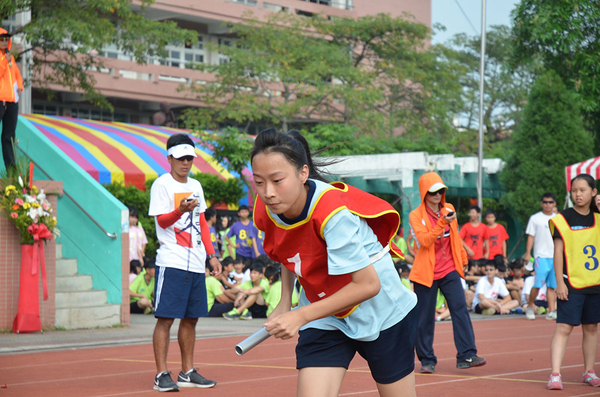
x,y
297,264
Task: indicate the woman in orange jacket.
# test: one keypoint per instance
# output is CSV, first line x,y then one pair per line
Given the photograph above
x,y
11,86
439,265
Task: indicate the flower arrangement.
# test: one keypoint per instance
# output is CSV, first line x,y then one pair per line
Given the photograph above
x,y
26,206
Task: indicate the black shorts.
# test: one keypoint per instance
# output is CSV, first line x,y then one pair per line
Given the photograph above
x,y
258,311
579,309
391,356
135,309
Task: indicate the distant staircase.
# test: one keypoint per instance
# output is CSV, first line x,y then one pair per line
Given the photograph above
x,y
78,306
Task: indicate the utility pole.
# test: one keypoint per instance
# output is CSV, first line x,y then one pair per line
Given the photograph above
x,y
481,80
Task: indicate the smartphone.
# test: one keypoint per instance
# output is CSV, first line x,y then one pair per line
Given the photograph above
x,y
449,214
190,199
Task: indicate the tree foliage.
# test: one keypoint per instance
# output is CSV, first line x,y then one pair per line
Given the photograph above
x,y
218,191
551,137
67,38
374,72
230,148
505,89
566,36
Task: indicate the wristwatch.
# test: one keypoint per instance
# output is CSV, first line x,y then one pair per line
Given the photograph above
x,y
211,256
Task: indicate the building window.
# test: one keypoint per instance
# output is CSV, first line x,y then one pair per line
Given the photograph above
x,y
48,110
252,3
275,7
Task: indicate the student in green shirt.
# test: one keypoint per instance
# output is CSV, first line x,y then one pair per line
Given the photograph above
x,y
218,303
141,290
272,274
251,300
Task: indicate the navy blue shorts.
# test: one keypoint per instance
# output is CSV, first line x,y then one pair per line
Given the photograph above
x,y
179,294
391,357
579,309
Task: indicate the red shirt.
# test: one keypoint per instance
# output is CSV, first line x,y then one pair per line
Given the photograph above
x,y
444,262
496,237
474,237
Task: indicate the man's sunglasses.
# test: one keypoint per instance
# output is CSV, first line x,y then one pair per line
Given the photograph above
x,y
547,202
441,191
184,158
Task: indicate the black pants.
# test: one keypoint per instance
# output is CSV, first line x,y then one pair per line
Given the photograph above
x,y
9,112
464,338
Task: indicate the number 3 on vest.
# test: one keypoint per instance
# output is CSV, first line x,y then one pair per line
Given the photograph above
x,y
590,250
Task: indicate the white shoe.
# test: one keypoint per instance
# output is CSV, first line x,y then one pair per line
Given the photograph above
x,y
551,316
529,313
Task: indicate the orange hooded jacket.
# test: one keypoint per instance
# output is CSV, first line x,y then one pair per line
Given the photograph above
x,y
9,74
425,235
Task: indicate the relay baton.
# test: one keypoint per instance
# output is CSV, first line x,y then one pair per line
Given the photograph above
x,y
250,342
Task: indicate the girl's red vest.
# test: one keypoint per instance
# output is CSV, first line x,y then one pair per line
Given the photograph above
x,y
301,248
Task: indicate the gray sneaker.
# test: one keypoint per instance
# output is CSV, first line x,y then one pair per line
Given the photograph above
x,y
551,316
471,362
246,315
529,313
163,382
194,379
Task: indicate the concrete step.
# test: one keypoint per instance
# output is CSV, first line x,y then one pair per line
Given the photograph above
x,y
58,251
88,317
78,282
66,300
66,267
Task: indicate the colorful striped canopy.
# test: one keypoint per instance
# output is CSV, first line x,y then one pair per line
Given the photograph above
x,y
590,166
121,152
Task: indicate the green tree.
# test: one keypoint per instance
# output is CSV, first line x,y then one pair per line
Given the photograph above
x,y
230,148
506,88
67,38
550,137
566,36
396,83
218,191
374,72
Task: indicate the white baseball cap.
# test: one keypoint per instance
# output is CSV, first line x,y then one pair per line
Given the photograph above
x,y
437,186
182,150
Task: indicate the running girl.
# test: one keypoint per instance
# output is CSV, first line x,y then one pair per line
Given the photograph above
x,y
576,233
335,239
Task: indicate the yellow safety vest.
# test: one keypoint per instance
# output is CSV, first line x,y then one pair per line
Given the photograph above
x,y
582,254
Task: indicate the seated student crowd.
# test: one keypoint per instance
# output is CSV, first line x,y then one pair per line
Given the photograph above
x,y
233,297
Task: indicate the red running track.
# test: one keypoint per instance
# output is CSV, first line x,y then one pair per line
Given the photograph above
x,y
517,351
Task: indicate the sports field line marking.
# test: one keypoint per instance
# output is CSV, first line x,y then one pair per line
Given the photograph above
x,y
218,384
462,378
205,364
512,352
588,394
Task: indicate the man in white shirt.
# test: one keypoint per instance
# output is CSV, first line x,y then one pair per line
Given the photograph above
x,y
540,239
177,203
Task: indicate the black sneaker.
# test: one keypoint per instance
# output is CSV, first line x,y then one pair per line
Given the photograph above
x,y
471,362
194,379
163,382
428,369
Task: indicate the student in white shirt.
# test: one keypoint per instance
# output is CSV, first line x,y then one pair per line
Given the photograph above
x,y
488,290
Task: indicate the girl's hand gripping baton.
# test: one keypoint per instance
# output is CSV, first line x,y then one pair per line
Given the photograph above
x,y
250,342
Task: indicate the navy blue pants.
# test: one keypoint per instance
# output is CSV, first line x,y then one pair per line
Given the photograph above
x,y
464,338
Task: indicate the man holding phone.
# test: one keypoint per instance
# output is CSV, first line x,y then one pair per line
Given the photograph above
x,y
11,86
439,265
178,205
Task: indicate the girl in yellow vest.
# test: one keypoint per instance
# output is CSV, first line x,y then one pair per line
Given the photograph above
x,y
576,233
